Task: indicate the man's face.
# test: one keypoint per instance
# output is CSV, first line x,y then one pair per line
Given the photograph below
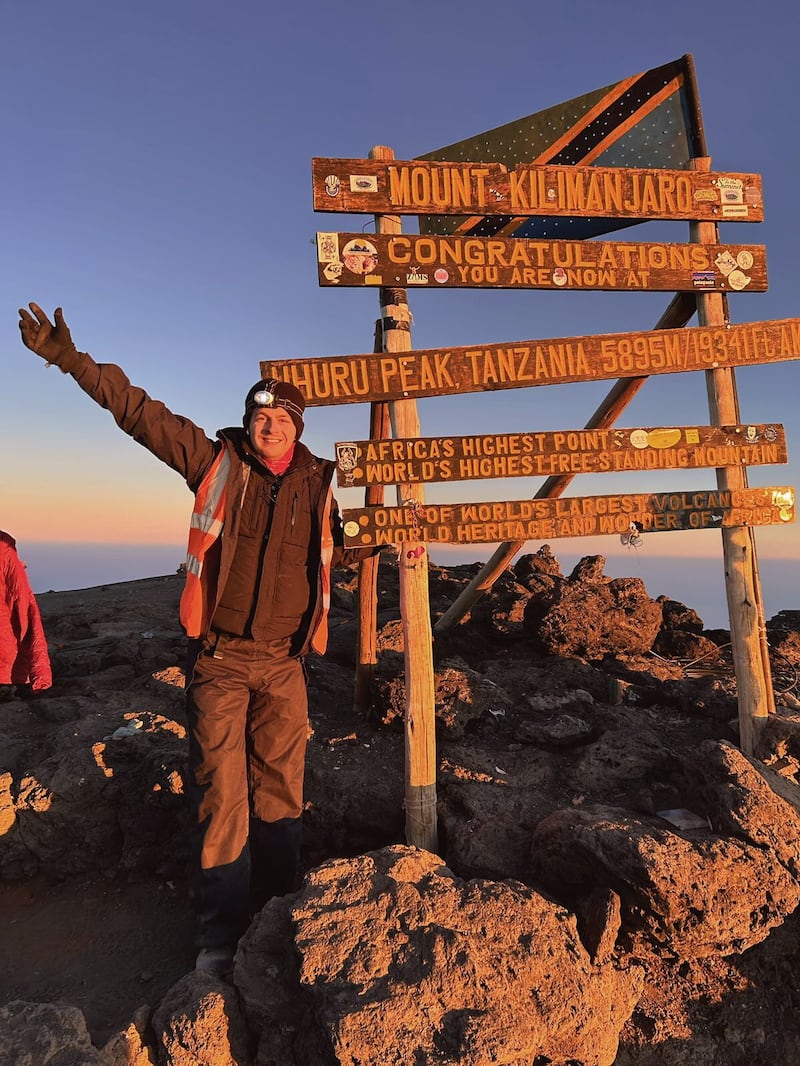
x,y
272,432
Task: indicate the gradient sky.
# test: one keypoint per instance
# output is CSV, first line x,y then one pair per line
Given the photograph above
x,y
157,186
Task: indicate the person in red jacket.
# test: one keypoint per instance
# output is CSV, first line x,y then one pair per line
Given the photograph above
x,y
24,658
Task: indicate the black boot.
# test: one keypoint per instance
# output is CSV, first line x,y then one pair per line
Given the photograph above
x,y
274,859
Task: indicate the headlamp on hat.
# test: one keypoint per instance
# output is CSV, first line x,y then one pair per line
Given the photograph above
x,y
275,393
267,398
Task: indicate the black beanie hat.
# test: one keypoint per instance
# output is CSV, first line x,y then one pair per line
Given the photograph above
x,y
273,393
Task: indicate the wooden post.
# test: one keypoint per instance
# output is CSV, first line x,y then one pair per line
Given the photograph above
x,y
420,761
368,568
676,315
742,585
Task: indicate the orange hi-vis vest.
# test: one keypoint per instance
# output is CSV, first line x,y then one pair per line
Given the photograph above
x,y
208,519
319,638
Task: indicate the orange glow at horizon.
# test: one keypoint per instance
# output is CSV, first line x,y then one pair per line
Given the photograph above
x,y
112,514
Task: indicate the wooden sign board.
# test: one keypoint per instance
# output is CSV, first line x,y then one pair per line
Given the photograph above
x,y
376,377
581,516
459,188
414,261
578,451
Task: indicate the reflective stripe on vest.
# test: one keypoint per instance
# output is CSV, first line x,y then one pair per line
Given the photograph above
x,y
319,638
208,518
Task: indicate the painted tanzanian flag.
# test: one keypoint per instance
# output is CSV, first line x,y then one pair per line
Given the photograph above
x,y
649,120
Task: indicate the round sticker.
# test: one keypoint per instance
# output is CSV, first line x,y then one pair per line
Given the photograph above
x,y
559,276
351,529
639,438
360,256
737,280
441,276
745,259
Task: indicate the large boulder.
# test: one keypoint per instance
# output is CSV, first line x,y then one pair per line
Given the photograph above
x,y
742,798
687,892
592,616
199,1023
45,1034
400,962
461,696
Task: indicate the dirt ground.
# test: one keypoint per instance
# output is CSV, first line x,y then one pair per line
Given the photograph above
x,y
113,941
100,944
110,942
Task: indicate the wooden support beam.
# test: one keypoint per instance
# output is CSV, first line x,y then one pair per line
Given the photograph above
x,y
420,747
379,429
742,584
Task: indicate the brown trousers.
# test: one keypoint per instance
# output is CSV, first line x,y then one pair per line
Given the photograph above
x,y
248,731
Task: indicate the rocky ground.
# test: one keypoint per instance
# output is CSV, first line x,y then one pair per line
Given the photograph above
x,y
621,885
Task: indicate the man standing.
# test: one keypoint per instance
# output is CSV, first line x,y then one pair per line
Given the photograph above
x,y
265,532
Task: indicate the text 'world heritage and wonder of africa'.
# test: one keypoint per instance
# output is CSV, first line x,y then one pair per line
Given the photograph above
x,y
583,516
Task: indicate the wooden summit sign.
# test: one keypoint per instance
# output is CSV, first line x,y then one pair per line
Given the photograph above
x,y
449,188
397,461
411,260
566,516
383,376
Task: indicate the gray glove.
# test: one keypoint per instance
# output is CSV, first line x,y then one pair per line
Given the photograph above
x,y
52,342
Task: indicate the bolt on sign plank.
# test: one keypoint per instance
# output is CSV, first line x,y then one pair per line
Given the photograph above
x,y
375,377
398,461
649,120
412,187
411,260
568,516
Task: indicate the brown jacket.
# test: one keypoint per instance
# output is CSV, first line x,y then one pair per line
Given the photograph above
x,y
287,597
